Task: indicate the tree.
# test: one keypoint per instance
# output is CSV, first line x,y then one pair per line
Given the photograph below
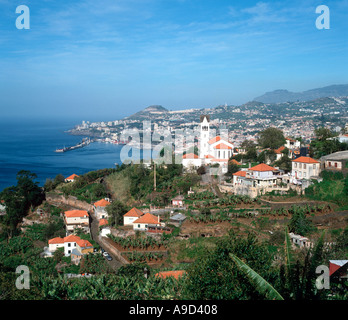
x,y
116,210
272,138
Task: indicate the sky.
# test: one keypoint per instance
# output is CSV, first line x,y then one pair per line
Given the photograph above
x,y
107,59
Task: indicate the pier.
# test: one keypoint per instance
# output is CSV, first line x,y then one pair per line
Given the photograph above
x,y
83,143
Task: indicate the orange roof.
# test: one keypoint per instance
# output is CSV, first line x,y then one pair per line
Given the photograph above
x,y
235,162
134,212
148,218
240,174
103,222
84,243
72,238
222,146
72,177
305,160
56,240
102,203
190,156
262,167
279,150
213,140
166,274
209,156
76,213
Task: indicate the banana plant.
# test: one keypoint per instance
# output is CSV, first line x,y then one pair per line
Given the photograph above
x,y
259,283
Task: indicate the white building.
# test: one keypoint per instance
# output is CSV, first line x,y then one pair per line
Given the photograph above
x,y
304,168
212,150
100,209
131,216
76,219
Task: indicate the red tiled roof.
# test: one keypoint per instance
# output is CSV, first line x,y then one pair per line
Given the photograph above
x,y
56,240
147,218
103,222
215,139
72,238
222,146
84,243
240,174
72,177
134,212
102,203
166,274
209,156
190,156
305,160
76,213
262,167
279,150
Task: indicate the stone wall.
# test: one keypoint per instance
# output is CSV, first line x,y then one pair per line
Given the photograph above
x,y
59,199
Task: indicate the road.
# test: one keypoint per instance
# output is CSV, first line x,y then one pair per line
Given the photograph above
x,y
115,264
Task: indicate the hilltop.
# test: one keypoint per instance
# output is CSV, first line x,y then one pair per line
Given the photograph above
x,y
148,113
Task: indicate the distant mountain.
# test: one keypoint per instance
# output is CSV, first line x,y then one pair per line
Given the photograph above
x,y
148,113
280,96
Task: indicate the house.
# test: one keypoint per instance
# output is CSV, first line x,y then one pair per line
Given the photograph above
x,y
177,220
292,143
238,177
343,138
147,220
300,241
178,201
262,175
71,178
338,269
131,216
305,168
72,245
100,209
279,153
76,219
337,161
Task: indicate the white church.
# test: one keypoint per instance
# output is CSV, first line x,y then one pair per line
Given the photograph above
x,y
212,150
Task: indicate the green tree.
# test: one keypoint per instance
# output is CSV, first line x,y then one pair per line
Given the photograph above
x,y
272,138
116,211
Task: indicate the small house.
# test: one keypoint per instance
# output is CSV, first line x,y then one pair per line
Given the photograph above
x,y
177,220
131,216
71,178
178,201
145,221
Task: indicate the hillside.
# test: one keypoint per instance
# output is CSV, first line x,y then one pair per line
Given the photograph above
x,y
280,96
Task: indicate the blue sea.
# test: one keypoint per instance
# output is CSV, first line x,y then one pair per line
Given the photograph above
x,y
30,145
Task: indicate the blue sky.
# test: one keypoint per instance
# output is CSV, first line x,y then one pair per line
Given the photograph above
x,y
106,59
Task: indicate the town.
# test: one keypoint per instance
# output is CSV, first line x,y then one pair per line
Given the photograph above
x,y
152,222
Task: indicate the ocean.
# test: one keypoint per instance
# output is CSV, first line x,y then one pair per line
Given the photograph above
x,y
30,145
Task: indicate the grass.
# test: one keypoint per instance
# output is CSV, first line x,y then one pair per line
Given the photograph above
x,y
119,184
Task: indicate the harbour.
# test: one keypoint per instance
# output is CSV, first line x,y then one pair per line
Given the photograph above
x,y
85,142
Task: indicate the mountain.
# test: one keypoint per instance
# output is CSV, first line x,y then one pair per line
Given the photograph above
x,y
280,96
149,113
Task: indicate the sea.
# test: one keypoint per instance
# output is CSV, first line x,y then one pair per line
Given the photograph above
x,y
30,144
